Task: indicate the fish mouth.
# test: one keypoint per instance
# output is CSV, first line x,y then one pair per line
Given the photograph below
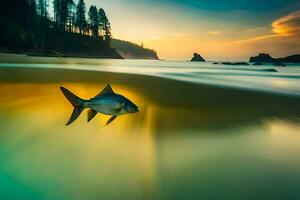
x,y
135,110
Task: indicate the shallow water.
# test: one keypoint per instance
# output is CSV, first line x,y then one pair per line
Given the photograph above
x,y
204,131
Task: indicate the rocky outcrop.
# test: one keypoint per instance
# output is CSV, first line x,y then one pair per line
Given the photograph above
x,y
262,58
292,59
235,63
197,58
266,58
129,50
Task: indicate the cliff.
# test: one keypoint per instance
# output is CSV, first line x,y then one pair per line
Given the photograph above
x,y
130,50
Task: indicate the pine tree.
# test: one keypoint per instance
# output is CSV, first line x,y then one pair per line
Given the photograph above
x,y
62,12
81,22
71,14
42,8
94,21
105,26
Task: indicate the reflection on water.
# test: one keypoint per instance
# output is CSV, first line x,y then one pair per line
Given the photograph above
x,y
150,155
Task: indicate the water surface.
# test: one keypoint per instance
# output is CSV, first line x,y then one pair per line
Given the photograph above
x,y
204,131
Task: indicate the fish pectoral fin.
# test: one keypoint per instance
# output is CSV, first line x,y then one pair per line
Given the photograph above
x,y
110,120
91,114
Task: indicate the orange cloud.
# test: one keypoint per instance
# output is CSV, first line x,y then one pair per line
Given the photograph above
x,y
288,25
285,30
280,38
257,38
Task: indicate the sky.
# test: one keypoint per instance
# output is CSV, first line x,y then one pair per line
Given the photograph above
x,y
217,29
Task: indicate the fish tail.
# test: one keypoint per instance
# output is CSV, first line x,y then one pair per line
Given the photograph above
x,y
77,103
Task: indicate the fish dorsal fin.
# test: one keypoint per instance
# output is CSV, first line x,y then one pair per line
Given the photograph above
x,y
106,90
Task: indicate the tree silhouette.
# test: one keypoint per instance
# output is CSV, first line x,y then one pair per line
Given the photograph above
x,y
105,26
80,22
19,25
42,7
94,21
71,16
56,11
62,13
26,25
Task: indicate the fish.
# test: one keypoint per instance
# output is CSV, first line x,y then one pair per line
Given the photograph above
x,y
107,102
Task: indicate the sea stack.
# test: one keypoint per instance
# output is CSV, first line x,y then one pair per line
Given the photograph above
x,y
266,58
197,58
262,58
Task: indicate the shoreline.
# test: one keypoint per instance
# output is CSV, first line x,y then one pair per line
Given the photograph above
x,y
51,55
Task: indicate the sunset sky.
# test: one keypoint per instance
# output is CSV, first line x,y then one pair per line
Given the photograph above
x,y
217,29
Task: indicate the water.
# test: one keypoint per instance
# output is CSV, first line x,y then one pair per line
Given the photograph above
x,y
204,131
